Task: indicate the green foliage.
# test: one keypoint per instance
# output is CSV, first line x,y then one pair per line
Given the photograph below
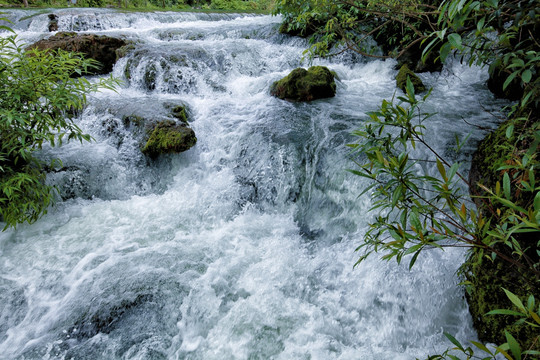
x,y
502,34
38,91
92,3
527,313
419,211
229,5
396,25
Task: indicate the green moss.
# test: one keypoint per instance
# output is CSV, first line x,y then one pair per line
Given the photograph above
x,y
133,120
485,280
401,80
169,137
179,112
122,51
486,277
305,85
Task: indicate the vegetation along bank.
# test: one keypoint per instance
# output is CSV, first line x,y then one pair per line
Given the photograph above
x,y
501,228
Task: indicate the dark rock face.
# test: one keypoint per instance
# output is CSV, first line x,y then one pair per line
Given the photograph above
x,y
487,278
401,80
53,22
495,83
169,137
305,85
100,48
412,57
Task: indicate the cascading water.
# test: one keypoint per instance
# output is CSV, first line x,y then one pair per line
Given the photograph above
x,y
243,246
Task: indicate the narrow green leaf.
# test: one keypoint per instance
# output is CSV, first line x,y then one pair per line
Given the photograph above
x,y
514,346
413,260
509,79
482,347
537,202
504,312
410,88
454,341
515,300
506,185
441,169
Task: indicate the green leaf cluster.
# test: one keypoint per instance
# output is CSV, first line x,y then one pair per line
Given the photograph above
x,y
395,25
39,93
511,349
503,34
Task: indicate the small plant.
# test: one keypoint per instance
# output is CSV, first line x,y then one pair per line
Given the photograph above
x,y
511,349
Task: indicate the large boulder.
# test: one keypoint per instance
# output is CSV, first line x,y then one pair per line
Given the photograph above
x,y
305,85
169,137
401,80
101,48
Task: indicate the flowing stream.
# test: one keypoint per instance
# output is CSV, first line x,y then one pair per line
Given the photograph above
x,y
243,246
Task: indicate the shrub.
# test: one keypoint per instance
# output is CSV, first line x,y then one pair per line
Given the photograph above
x,y
37,94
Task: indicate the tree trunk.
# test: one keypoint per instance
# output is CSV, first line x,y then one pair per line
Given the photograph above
x,y
25,3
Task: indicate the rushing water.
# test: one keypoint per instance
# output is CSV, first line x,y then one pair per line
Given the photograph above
x,y
243,246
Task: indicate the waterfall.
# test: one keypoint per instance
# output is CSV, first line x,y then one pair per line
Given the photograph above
x,y
243,246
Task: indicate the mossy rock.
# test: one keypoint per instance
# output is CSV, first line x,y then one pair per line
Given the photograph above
x,y
401,80
124,50
179,112
486,280
317,82
98,47
169,137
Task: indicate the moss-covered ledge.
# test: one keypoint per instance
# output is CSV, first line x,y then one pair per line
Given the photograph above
x,y
486,277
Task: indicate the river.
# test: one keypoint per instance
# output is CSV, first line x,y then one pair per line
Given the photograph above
x,y
243,246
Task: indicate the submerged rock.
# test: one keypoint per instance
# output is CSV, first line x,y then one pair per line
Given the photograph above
x,y
101,48
401,80
305,85
169,137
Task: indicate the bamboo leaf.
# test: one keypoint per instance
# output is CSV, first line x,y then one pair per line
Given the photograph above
x,y
441,169
506,185
514,346
515,300
509,79
482,347
504,312
454,341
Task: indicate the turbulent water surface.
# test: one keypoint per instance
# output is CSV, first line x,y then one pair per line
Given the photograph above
x,y
243,246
